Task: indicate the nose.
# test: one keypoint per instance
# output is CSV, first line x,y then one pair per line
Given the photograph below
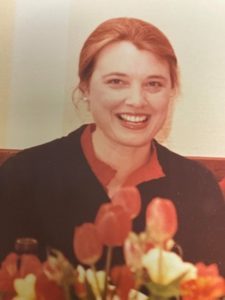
x,y
136,96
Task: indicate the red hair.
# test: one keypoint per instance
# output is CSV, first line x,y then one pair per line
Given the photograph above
x,y
140,33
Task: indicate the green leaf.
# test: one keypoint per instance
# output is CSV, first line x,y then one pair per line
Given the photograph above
x,y
163,291
2,294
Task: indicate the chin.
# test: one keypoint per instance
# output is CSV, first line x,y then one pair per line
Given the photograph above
x,y
134,142
135,137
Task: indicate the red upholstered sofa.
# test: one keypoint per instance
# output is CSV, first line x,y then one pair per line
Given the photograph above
x,y
6,153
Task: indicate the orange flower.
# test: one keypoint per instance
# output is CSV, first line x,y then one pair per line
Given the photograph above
x,y
129,198
87,246
203,270
161,220
113,224
123,279
208,285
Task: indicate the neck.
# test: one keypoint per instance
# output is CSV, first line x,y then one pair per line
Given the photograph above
x,y
124,159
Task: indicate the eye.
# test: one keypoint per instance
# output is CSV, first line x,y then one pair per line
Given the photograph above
x,y
116,83
154,86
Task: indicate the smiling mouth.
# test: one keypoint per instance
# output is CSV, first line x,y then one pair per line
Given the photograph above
x,y
133,118
134,121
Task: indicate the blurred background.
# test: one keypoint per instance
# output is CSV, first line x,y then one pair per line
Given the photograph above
x,y
40,43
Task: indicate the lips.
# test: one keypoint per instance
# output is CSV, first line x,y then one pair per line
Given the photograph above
x,y
133,121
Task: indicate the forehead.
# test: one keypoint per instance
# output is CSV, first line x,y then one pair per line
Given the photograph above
x,y
124,56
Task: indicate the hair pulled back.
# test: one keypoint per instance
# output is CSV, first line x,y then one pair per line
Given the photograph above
x,y
142,34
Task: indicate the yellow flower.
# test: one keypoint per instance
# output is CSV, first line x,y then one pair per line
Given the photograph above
x,y
81,273
96,281
166,267
24,288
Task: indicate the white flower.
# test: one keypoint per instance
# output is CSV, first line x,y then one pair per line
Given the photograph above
x,y
171,268
24,288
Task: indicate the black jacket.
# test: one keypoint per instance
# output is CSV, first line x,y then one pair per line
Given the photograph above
x,y
46,191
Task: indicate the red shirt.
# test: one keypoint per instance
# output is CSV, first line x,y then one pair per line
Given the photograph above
x,y
105,173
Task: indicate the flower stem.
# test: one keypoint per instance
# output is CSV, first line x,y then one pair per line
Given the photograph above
x,y
160,265
107,269
67,292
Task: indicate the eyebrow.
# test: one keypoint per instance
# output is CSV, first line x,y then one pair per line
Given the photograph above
x,y
115,74
161,77
153,76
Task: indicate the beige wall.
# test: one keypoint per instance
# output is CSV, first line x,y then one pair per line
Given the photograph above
x,y
7,17
46,42
39,71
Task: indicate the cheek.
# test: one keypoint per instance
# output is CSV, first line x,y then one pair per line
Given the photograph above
x,y
103,99
161,104
98,91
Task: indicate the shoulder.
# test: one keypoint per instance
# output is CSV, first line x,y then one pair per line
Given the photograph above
x,y
49,153
175,164
192,178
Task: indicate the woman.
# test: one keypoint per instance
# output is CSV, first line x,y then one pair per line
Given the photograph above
x,y
128,77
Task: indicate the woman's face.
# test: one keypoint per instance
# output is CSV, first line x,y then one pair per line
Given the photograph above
x,y
129,93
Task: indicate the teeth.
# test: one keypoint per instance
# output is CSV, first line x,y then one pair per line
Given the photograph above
x,y
134,119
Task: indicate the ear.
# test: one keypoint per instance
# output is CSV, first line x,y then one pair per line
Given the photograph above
x,y
84,88
174,93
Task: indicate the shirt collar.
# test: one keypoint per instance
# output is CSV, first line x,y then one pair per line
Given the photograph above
x,y
105,173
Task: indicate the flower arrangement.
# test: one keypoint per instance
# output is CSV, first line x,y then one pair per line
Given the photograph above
x,y
150,262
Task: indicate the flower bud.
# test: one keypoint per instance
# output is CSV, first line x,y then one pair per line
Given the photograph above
x,y
87,246
161,220
129,198
113,224
123,279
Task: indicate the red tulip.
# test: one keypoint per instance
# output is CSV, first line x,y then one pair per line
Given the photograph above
x,y
9,270
113,224
8,273
161,220
80,289
129,198
46,289
30,264
87,246
123,279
